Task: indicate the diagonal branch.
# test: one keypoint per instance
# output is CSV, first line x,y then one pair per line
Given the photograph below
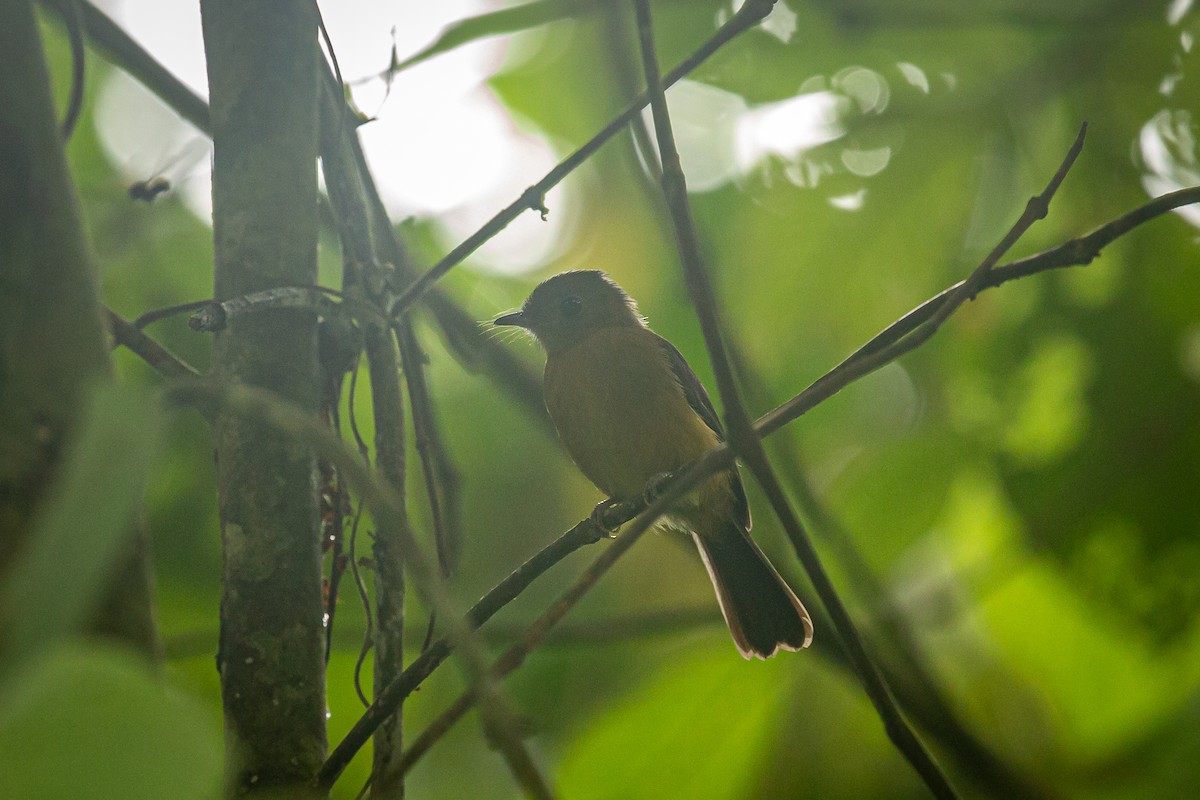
x,y
1079,251
163,361
906,334
750,14
583,533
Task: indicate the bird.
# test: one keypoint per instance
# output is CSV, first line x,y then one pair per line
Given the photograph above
x,y
629,411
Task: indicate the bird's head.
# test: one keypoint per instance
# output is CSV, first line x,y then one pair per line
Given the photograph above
x,y
564,309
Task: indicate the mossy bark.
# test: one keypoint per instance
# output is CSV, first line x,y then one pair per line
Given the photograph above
x,y
262,70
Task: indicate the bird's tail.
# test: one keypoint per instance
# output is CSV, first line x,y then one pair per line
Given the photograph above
x,y
762,612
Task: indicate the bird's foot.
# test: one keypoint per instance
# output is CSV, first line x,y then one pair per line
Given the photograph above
x,y
609,515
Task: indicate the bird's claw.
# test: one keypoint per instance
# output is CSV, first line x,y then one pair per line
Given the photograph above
x,y
603,513
611,514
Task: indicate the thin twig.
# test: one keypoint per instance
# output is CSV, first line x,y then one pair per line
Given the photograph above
x,y
170,311
1080,251
351,400
163,361
368,640
1036,209
425,433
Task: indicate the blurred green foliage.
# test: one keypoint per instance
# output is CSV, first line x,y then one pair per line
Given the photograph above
x,y
1025,485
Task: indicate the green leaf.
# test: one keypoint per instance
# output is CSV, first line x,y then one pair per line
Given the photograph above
x,y
1108,683
82,721
508,20
1052,409
893,491
85,522
697,729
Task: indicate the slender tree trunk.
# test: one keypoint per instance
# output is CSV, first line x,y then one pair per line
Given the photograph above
x,y
262,70
389,557
365,233
52,339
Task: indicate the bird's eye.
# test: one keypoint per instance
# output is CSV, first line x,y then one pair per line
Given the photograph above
x,y
570,306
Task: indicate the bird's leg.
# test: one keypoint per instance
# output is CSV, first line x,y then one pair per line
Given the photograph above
x,y
611,514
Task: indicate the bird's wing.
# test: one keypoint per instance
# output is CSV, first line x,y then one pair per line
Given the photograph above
x,y
697,398
693,389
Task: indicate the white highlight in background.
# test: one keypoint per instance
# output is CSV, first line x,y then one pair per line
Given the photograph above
x,y
442,145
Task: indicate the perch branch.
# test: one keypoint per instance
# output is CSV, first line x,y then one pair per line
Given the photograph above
x,y
536,633
721,457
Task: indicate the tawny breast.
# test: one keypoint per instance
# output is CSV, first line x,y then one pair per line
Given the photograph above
x,y
620,412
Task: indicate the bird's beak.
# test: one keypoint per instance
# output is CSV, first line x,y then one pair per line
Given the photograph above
x,y
516,318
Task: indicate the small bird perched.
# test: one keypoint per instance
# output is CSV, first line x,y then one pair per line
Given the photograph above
x,y
629,409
